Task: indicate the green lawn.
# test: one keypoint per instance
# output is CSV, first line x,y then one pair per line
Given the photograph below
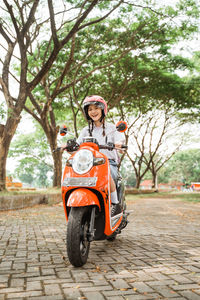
x,y
190,197
36,191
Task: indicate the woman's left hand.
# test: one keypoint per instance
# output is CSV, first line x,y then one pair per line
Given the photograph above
x,y
118,146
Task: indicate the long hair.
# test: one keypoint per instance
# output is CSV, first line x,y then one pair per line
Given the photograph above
x,y
91,126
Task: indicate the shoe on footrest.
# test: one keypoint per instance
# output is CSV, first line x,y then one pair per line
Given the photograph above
x,y
116,209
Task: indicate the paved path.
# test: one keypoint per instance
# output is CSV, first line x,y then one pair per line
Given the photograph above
x,y
156,257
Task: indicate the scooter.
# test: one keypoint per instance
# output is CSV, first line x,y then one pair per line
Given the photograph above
x,y
86,197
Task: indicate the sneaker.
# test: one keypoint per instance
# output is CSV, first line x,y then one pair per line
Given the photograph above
x,y
116,209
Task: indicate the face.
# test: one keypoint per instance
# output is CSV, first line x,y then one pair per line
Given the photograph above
x,y
94,112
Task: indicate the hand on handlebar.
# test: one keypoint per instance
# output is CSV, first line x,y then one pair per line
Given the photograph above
x,y
121,147
71,146
118,146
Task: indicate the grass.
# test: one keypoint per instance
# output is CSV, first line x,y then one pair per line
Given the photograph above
x,y
25,192
189,197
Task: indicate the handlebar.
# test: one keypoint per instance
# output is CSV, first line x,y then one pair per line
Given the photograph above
x,y
59,149
72,146
111,146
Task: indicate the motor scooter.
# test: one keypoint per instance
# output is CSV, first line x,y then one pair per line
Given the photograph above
x,y
86,197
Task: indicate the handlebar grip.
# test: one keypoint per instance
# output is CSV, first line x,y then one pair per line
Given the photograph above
x,y
103,147
124,147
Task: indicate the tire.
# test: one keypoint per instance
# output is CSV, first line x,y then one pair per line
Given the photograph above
x,y
77,243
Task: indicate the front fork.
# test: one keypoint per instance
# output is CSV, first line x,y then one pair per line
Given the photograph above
x,y
91,232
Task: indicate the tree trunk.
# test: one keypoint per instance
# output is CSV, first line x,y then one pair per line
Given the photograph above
x,y
138,180
6,135
154,180
51,134
3,157
57,174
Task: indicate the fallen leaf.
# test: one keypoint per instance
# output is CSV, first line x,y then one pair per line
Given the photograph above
x,y
98,269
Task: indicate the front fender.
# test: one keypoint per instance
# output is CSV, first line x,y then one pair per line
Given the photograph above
x,y
82,197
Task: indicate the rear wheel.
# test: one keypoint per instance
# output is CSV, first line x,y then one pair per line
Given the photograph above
x,y
77,236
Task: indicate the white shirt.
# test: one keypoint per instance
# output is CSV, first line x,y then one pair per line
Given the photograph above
x,y
112,135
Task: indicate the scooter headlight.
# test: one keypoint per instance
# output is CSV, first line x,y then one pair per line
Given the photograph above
x,y
82,161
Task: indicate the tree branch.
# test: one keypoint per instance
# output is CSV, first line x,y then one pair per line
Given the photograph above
x,y
10,10
53,24
4,34
102,18
33,114
56,50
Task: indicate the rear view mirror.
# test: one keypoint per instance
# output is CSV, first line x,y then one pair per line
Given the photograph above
x,y
121,126
63,130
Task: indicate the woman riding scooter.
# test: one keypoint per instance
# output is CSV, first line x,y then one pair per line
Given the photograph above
x,y
95,109
93,208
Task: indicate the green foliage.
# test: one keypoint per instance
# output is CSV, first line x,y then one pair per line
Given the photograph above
x,y
150,74
34,161
127,173
184,166
190,197
145,76
192,82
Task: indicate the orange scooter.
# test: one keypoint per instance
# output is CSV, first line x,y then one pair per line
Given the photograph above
x,y
86,197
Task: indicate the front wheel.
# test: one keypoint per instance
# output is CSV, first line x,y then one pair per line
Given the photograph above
x,y
77,236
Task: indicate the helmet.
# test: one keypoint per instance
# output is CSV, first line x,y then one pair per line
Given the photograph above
x,y
95,100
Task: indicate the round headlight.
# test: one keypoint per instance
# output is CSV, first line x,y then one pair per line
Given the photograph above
x,y
82,161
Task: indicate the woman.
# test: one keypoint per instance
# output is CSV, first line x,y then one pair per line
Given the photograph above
x,y
95,109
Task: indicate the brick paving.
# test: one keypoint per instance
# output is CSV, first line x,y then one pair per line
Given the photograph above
x,y
156,257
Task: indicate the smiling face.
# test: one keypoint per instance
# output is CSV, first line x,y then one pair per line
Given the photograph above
x,y
94,112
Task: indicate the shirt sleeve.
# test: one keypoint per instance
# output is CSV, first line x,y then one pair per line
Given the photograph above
x,y
83,133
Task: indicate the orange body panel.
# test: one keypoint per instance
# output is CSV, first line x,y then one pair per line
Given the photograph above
x,y
83,196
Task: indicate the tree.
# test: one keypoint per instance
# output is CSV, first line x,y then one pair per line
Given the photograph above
x,y
193,112
165,143
35,165
21,25
127,175
57,91
152,27
183,166
116,74
149,138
